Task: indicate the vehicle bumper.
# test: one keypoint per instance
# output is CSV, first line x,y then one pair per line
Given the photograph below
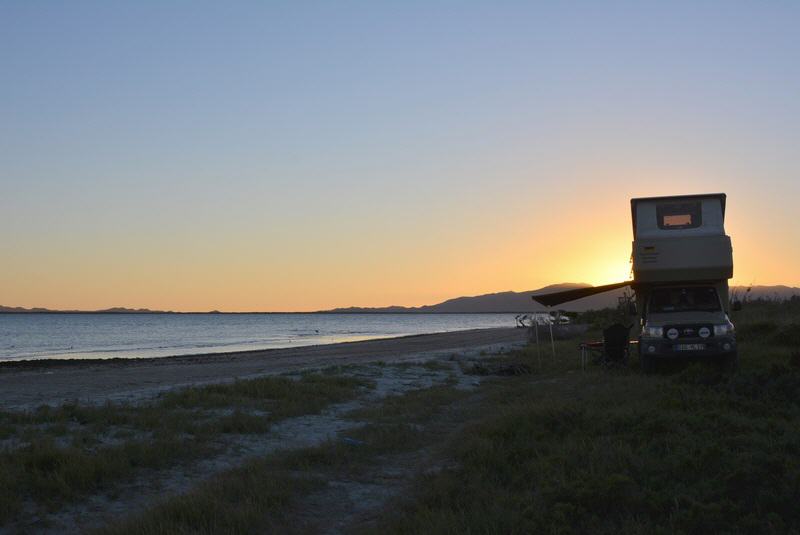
x,y
713,347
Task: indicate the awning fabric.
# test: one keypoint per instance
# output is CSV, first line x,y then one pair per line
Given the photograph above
x,y
556,298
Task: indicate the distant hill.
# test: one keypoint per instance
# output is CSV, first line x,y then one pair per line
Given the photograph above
x,y
115,310
521,301
496,302
513,302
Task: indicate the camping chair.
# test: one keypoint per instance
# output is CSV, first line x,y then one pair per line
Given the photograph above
x,y
616,345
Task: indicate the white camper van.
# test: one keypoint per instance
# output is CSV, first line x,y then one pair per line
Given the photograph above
x,y
682,260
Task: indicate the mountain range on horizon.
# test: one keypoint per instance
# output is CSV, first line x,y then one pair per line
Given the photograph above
x,y
114,310
519,302
500,302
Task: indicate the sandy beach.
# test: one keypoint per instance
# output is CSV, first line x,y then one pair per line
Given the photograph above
x,y
25,385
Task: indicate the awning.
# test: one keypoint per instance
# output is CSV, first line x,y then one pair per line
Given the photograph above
x,y
556,298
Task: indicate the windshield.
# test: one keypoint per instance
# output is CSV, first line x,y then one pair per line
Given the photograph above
x,y
691,298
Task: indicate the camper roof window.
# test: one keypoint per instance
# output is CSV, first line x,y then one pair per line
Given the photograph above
x,y
676,216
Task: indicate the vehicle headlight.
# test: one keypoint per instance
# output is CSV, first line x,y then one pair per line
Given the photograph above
x,y
725,328
652,332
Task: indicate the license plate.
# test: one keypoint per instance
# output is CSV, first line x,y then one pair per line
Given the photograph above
x,y
689,347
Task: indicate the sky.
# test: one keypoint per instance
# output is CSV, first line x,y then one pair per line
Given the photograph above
x,y
295,156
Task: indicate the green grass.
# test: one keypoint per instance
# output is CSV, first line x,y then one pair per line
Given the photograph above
x,y
258,496
354,449
51,474
281,397
415,406
633,456
251,499
66,452
563,451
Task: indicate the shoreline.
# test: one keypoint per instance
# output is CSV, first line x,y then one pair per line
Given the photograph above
x,y
50,362
223,313
30,383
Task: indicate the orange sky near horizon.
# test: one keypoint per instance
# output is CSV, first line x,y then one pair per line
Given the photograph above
x,y
578,238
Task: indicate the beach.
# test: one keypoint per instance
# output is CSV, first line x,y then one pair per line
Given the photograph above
x,y
28,384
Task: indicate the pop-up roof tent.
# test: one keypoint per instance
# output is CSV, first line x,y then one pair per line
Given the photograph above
x,y
678,238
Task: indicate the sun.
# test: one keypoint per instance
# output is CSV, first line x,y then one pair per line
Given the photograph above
x,y
610,272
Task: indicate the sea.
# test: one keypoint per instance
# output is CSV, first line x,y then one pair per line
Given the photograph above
x,y
92,336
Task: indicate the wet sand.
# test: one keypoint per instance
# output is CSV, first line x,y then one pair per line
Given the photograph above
x,y
25,385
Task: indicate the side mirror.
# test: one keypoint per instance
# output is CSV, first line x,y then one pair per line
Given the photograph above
x,y
736,306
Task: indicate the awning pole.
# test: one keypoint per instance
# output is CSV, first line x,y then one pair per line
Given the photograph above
x,y
538,349
552,342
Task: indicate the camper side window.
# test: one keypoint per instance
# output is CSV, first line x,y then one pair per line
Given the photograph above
x,y
676,216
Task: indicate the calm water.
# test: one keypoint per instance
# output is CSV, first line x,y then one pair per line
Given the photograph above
x,y
29,336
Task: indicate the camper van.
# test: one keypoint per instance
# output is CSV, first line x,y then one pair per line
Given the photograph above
x,y
682,260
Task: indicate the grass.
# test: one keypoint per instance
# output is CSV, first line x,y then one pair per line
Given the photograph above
x,y
258,496
63,453
355,449
51,474
698,451
415,406
249,499
281,397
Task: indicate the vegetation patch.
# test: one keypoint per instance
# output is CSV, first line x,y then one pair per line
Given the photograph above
x,y
258,496
415,406
690,459
57,454
51,474
354,449
251,499
281,397
564,451
788,335
757,330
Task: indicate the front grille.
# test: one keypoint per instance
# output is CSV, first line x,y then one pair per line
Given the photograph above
x,y
688,331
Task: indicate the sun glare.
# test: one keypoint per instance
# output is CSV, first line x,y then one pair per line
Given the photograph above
x,y
610,272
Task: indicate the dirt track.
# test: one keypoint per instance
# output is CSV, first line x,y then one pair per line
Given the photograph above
x,y
29,385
